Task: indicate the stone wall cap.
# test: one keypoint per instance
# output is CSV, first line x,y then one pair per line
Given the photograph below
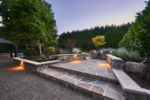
x,y
71,54
34,62
127,83
114,57
146,91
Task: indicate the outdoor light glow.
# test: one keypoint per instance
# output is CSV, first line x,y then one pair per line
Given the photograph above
x,y
77,61
105,65
18,68
76,57
21,63
13,54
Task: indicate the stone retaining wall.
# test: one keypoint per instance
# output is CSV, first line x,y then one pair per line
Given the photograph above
x,y
32,65
71,57
115,62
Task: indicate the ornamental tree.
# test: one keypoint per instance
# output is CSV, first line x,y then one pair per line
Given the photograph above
x,y
70,44
33,20
98,41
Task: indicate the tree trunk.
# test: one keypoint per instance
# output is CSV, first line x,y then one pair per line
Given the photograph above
x,y
40,49
39,45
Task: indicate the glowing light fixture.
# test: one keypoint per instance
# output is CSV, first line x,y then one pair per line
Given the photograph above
x,y
75,57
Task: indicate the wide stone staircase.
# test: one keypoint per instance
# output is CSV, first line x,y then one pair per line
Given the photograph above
x,y
90,77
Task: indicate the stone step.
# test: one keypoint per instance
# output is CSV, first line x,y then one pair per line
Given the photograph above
x,y
97,89
80,70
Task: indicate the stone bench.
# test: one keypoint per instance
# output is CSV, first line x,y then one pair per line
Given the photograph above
x,y
130,89
115,62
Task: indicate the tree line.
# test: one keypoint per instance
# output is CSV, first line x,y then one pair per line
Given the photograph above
x,y
113,34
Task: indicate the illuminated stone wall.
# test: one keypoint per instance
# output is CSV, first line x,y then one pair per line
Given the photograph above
x,y
115,62
71,57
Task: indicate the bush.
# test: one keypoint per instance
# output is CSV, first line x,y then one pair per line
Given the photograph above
x,y
29,52
56,51
40,59
123,53
80,52
30,57
133,55
114,53
65,52
107,49
43,58
75,50
86,49
50,49
127,55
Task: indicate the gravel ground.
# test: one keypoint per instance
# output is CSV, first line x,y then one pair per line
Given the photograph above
x,y
26,85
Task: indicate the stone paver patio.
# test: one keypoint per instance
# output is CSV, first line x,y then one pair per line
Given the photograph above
x,y
91,66
105,89
94,67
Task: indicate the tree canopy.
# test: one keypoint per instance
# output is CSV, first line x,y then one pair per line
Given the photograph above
x,y
138,35
33,20
113,34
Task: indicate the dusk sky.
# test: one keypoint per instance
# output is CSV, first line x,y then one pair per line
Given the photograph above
x,y
84,14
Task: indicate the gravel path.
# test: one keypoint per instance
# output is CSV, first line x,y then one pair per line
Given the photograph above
x,y
26,85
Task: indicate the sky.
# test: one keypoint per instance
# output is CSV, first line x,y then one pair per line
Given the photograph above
x,y
73,15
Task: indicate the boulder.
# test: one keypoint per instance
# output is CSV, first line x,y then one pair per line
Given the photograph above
x,y
133,67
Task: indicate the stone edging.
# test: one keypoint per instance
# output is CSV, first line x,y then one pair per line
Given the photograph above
x,y
130,88
33,62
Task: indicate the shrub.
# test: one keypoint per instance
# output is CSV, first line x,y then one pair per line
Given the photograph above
x,y
114,53
80,52
133,55
50,49
76,50
145,72
65,52
29,52
127,55
40,59
123,53
86,49
107,49
43,58
56,51
30,57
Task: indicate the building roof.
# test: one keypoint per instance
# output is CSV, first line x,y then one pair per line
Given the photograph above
x,y
3,41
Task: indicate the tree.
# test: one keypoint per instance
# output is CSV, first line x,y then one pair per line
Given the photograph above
x,y
99,41
70,44
33,20
84,45
7,26
138,35
113,34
